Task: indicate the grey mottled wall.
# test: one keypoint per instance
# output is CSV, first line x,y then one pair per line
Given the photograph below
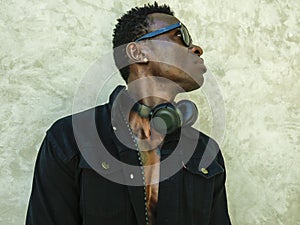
x,y
251,47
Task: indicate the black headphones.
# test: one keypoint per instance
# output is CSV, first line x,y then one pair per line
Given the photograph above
x,y
164,118
167,117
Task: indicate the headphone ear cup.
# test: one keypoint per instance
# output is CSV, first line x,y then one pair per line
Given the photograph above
x,y
189,112
165,118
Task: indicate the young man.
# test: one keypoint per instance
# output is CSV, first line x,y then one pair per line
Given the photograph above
x,y
135,160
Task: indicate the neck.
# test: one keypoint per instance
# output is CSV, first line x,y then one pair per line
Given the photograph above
x,y
152,91
149,90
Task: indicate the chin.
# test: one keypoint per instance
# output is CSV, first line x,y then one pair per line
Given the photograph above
x,y
193,87
197,83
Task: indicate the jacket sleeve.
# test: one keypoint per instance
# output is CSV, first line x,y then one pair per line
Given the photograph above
x,y
54,198
220,214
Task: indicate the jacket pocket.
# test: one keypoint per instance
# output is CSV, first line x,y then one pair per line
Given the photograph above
x,y
199,190
194,166
102,200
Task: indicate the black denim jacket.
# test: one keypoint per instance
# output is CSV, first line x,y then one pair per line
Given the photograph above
x,y
71,186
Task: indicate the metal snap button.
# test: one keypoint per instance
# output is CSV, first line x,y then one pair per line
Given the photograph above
x,y
105,165
204,171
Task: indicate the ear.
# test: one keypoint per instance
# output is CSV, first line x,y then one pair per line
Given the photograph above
x,y
136,53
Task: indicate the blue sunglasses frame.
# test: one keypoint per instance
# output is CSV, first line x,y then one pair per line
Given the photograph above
x,y
187,40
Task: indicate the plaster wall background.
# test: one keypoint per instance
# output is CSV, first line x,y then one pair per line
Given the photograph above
x,y
251,47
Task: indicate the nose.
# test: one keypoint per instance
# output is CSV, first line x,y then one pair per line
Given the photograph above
x,y
196,50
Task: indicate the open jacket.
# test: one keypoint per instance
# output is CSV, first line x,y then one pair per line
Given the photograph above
x,y
74,185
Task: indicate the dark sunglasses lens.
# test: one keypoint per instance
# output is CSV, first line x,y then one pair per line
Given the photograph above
x,y
186,36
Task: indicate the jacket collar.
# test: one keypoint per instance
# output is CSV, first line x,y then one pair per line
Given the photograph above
x,y
112,128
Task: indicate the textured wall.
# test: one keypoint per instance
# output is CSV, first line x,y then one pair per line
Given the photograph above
x,y
252,47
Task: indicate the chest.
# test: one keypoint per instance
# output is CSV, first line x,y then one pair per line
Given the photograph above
x,y
184,198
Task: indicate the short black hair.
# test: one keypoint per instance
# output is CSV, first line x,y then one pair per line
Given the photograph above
x,y
129,27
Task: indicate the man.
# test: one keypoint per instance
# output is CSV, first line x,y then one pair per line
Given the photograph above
x,y
152,173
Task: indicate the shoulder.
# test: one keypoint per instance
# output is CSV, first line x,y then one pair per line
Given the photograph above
x,y
204,142
207,159
63,132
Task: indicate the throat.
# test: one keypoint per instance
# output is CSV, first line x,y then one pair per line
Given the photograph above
x,y
149,143
151,165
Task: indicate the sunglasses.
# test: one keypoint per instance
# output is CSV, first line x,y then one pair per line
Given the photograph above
x,y
186,38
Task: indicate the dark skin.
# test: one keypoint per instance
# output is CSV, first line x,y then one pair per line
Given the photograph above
x,y
158,72
146,68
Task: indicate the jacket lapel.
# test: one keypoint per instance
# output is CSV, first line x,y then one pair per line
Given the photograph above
x,y
131,165
134,179
169,196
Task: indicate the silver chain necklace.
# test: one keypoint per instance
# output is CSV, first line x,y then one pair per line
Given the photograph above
x,y
141,164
